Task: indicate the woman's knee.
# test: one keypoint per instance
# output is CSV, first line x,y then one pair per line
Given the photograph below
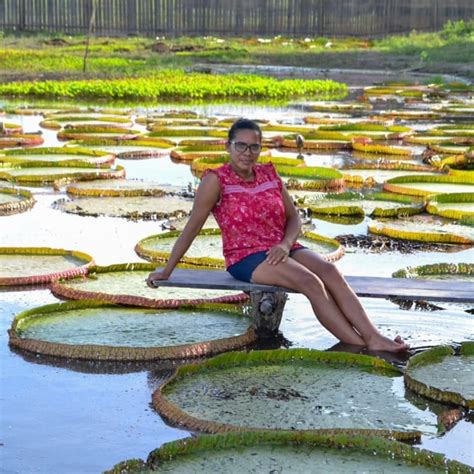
x,y
310,284
331,273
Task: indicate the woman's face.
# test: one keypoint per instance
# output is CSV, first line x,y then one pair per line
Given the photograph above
x,y
244,150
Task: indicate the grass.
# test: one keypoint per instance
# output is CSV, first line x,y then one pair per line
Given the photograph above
x,y
60,56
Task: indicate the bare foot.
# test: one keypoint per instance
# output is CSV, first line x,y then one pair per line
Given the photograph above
x,y
382,343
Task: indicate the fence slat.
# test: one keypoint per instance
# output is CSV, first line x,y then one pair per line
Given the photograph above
x,y
298,18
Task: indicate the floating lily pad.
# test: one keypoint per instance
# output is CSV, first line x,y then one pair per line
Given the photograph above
x,y
129,207
428,185
13,201
438,271
43,175
383,172
99,131
10,128
288,452
94,330
301,389
453,206
206,249
442,375
355,204
126,149
125,284
18,140
56,122
47,156
424,228
121,187
33,265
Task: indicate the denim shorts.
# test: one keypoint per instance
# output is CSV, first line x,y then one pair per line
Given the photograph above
x,y
243,269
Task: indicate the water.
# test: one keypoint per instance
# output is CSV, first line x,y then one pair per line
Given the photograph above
x,y
83,418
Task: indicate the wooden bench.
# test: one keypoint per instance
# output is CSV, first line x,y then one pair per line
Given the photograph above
x,y
268,302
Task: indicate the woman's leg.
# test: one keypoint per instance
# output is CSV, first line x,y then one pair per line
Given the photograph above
x,y
292,274
347,301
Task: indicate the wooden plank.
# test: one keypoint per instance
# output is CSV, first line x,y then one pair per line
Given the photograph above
x,y
374,287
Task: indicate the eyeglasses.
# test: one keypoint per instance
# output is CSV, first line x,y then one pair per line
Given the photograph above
x,y
242,147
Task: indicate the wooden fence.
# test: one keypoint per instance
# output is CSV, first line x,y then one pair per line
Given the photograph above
x,y
296,18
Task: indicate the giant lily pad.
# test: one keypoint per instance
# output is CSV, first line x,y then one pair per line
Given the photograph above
x,y
438,271
130,207
428,185
453,206
441,375
288,452
33,265
56,122
424,228
98,331
355,204
43,175
301,389
94,132
207,247
125,284
47,156
121,187
17,140
13,201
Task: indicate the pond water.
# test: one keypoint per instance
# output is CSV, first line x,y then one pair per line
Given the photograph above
x,y
85,417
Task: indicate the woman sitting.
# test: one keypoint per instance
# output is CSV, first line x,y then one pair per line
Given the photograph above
x,y
260,226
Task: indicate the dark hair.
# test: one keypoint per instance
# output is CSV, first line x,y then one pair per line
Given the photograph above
x,y
243,124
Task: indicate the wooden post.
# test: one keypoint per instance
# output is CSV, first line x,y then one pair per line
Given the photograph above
x,y
267,311
91,27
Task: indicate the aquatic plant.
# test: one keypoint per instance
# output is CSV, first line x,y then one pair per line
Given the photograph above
x,y
295,450
14,201
441,375
452,205
177,84
67,330
426,185
125,284
284,382
36,265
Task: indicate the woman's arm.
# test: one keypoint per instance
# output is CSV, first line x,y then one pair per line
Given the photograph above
x,y
280,252
206,198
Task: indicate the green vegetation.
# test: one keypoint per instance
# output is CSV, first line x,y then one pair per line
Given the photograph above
x,y
175,85
61,56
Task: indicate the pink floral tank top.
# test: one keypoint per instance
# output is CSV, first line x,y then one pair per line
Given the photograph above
x,y
250,214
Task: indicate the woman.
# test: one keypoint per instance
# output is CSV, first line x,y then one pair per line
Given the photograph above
x,y
259,226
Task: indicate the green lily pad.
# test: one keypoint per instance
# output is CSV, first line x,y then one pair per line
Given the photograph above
x,y
302,389
97,331
453,206
44,175
17,140
206,249
33,265
130,207
125,284
13,201
288,452
354,204
438,271
441,375
424,228
122,187
47,156
459,182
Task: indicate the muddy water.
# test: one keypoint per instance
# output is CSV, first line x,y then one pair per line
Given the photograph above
x,y
70,417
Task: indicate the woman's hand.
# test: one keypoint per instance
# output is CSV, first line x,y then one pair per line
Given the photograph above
x,y
156,275
278,253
